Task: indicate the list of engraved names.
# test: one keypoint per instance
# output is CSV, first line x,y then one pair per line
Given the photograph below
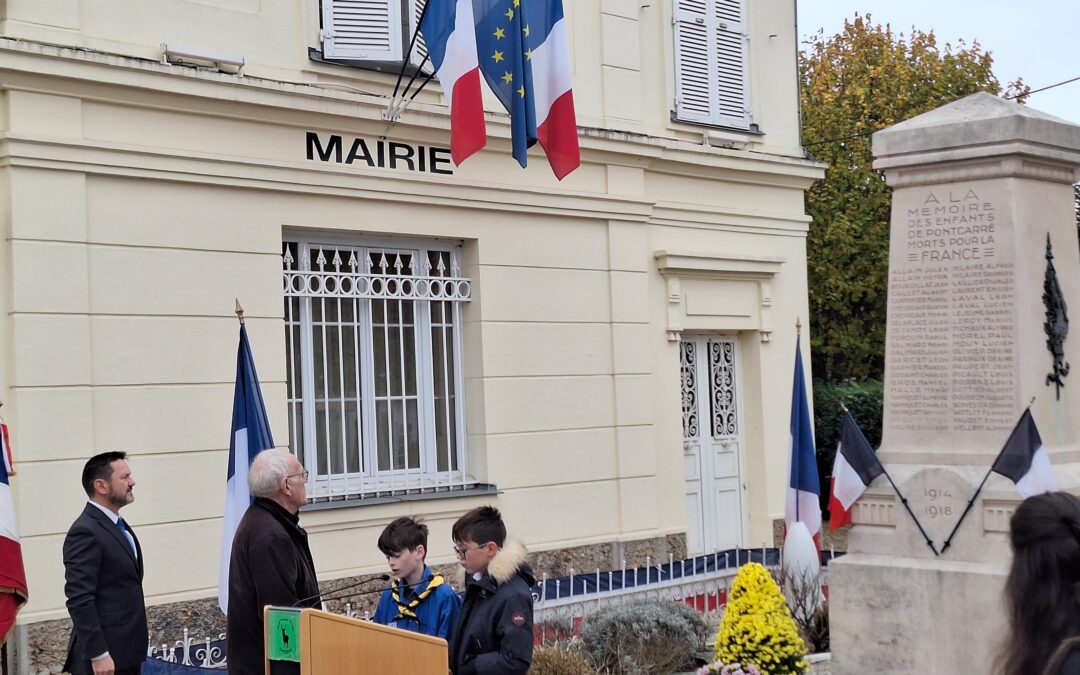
x,y
951,331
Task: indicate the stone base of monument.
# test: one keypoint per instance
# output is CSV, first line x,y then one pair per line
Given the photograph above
x,y
895,607
894,615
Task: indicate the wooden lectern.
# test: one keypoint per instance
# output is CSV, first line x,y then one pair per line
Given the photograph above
x,y
330,644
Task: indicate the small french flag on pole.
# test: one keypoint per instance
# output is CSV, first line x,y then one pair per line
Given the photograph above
x,y
804,488
855,467
1024,460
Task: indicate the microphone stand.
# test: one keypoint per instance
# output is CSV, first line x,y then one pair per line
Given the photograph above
x,y
319,596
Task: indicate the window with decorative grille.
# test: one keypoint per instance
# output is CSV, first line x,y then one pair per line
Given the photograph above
x,y
711,45
374,375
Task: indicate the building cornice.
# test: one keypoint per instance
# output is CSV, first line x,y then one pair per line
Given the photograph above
x,y
62,70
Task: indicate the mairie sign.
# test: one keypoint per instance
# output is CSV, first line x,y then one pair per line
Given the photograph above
x,y
379,153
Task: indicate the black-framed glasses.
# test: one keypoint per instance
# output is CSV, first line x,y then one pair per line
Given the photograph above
x,y
302,473
462,552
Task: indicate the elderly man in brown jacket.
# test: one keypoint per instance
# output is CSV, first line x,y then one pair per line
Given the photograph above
x,y
271,563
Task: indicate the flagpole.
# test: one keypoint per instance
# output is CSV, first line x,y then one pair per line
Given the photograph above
x,y
971,502
798,334
239,314
397,108
405,60
12,472
903,499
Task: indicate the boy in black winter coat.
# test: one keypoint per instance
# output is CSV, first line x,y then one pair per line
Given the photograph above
x,y
493,635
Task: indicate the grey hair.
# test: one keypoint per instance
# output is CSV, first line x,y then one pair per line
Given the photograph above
x,y
267,471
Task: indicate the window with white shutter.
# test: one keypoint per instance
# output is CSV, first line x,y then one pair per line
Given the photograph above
x,y
372,30
710,62
362,30
419,52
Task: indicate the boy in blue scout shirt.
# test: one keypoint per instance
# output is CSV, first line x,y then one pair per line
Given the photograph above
x,y
419,600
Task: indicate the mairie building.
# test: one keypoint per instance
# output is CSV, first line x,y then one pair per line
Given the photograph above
x,y
607,358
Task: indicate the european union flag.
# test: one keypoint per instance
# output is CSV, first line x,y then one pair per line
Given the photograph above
x,y
502,43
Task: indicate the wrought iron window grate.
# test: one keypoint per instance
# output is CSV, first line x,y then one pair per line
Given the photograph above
x,y
374,374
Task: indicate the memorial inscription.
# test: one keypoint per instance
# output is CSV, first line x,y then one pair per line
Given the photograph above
x,y
951,331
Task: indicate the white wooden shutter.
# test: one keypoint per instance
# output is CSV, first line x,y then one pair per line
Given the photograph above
x,y
733,108
710,62
693,68
362,30
419,49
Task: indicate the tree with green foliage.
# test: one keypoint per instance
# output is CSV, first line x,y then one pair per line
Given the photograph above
x,y
864,79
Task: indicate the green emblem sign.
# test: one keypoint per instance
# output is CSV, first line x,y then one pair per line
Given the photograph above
x,y
283,634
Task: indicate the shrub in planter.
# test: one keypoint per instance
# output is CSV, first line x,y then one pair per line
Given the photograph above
x,y
559,660
644,637
757,628
808,607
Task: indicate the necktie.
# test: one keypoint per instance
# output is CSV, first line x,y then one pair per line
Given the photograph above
x,y
127,537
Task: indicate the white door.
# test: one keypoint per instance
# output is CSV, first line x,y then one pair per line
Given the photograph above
x,y
711,452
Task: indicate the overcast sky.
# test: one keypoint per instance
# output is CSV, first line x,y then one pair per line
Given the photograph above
x,y
1038,40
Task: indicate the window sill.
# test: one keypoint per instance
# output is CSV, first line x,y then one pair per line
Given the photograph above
x,y
752,130
477,490
391,67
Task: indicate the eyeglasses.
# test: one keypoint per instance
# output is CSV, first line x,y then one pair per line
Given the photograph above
x,y
302,473
462,552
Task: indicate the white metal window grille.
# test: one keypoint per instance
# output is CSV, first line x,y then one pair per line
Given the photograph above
x,y
711,46
722,387
688,368
374,377
372,30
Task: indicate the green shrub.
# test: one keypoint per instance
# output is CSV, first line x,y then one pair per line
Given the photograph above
x,y
559,660
865,399
644,637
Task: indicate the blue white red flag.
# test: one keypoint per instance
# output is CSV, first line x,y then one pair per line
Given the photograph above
x,y
1024,460
522,48
250,436
13,590
804,488
450,38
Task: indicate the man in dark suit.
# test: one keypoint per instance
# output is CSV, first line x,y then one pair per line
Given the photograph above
x,y
103,569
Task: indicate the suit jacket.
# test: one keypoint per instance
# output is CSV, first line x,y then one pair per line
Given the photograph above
x,y
103,585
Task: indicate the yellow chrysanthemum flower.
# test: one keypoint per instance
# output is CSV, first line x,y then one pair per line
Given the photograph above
x,y
757,627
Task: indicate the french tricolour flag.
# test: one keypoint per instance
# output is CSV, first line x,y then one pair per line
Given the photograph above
x,y
250,436
448,32
1024,460
804,487
553,97
13,592
856,465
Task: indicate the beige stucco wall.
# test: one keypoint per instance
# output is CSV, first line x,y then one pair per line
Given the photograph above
x,y
138,199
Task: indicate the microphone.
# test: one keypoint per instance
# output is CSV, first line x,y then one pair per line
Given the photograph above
x,y
318,596
377,590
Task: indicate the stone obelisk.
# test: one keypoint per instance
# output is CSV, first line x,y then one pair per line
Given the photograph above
x,y
980,186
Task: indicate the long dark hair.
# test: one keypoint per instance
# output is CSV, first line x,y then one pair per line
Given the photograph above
x,y
1042,591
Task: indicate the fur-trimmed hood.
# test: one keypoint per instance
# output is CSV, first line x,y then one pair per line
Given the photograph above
x,y
509,561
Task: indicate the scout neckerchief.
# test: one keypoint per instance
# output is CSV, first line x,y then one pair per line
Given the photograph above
x,y
408,610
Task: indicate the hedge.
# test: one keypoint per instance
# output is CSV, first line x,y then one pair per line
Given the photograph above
x,y
865,400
